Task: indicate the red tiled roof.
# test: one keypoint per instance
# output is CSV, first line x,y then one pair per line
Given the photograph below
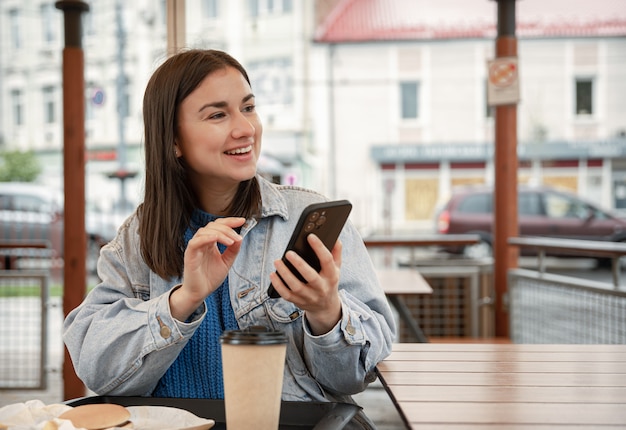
x,y
375,20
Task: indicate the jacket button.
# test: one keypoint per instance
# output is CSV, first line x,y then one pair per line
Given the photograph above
x,y
350,329
165,332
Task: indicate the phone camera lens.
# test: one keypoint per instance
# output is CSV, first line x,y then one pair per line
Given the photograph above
x,y
309,227
321,220
314,216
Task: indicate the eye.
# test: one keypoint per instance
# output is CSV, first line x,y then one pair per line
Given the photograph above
x,y
249,108
216,115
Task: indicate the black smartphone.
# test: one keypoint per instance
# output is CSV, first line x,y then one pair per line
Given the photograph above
x,y
326,220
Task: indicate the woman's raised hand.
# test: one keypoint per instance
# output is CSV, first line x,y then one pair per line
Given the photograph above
x,y
205,267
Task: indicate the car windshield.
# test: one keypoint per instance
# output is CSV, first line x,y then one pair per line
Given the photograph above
x,y
476,204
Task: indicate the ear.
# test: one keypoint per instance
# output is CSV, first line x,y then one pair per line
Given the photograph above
x,y
177,152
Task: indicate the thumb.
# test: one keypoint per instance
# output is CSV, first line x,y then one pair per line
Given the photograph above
x,y
230,253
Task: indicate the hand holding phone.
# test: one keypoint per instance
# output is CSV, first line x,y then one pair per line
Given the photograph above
x,y
325,220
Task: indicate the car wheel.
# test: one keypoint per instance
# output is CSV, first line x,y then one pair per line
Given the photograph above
x,y
478,251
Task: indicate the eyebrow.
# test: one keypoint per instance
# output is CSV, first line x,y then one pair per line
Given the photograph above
x,y
222,104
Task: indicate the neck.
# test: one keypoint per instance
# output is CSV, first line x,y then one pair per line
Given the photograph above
x,y
216,201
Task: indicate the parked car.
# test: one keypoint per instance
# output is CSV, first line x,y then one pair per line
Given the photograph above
x,y
35,213
542,211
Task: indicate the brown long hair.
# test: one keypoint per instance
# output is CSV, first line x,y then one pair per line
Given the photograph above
x,y
169,199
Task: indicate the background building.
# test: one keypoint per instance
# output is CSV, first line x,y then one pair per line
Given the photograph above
x,y
409,83
382,102
123,43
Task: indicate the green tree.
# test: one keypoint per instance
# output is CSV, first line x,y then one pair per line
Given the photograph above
x,y
19,166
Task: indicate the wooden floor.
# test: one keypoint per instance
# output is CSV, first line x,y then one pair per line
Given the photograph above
x,y
507,386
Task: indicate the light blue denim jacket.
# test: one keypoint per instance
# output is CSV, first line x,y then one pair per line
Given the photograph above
x,y
123,337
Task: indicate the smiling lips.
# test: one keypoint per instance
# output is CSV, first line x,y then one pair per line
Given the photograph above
x,y
240,151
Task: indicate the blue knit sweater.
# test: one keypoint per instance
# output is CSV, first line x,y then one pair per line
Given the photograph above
x,y
197,371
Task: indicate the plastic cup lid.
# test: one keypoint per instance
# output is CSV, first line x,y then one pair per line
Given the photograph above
x,y
254,335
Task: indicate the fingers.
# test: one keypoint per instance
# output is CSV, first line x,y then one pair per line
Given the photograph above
x,y
279,285
220,230
232,222
326,279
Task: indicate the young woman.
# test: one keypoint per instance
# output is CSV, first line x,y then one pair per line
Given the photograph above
x,y
199,253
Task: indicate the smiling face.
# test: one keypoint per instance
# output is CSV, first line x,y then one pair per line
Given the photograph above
x,y
219,133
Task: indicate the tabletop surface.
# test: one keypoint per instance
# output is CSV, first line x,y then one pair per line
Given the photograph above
x,y
422,240
403,281
507,386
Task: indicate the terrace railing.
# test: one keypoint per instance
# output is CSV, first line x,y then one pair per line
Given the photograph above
x,y
554,308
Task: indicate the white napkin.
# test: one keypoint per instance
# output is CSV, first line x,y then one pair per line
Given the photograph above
x,y
35,415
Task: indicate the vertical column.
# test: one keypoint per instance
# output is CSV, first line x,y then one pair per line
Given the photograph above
x,y
74,236
505,191
175,26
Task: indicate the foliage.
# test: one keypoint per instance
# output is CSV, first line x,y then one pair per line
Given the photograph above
x,y
19,166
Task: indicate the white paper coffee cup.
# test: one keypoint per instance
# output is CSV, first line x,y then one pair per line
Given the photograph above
x,y
253,362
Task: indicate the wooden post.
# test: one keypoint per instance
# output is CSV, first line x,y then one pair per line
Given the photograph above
x,y
175,26
505,191
74,235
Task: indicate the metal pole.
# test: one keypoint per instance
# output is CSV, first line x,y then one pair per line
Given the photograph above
x,y
505,191
332,145
121,107
74,235
176,25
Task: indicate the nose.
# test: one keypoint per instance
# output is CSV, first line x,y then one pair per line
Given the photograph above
x,y
242,126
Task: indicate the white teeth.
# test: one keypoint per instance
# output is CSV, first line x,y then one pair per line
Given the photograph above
x,y
240,150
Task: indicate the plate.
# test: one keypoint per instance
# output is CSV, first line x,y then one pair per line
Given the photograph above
x,y
166,417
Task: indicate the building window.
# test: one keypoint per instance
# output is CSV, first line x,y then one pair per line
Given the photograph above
x,y
87,20
269,7
48,21
409,99
49,105
488,108
584,96
210,9
14,24
163,11
17,107
272,81
123,102
254,8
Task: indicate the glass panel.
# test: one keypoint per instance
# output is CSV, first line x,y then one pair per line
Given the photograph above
x,y
409,99
47,22
477,204
14,23
529,204
16,103
49,105
209,9
584,97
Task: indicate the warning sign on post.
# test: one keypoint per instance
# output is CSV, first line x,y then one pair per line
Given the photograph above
x,y
503,81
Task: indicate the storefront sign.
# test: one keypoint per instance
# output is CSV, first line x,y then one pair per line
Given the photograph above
x,y
503,81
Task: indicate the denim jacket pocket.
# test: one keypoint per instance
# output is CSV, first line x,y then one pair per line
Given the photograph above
x,y
282,311
142,292
298,385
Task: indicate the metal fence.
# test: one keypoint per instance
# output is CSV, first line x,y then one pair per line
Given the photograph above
x,y
461,301
550,308
23,329
460,305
